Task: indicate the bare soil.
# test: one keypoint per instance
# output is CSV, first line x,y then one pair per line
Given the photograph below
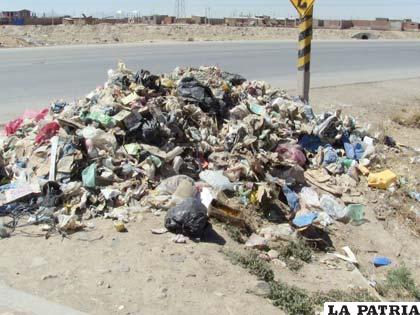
x,y
29,35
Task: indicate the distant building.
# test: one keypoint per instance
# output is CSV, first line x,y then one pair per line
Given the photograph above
x,y
15,17
381,24
362,24
169,20
409,26
186,20
198,19
16,14
335,24
215,21
396,25
154,19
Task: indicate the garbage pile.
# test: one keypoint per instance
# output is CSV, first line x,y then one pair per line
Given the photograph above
x,y
196,143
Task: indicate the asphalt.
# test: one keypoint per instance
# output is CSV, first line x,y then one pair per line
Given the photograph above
x,y
33,77
14,302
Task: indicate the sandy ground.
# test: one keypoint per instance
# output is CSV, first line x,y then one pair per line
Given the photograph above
x,y
100,271
26,36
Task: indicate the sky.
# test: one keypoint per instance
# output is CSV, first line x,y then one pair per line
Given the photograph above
x,y
345,9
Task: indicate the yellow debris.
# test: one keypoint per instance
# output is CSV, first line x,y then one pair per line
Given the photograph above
x,y
382,180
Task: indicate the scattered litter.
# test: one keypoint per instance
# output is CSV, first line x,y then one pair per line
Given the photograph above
x,y
256,241
120,226
415,195
351,257
356,213
309,197
382,180
188,218
334,207
304,220
381,261
198,143
179,239
160,231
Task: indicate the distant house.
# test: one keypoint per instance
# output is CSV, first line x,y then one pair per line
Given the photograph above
x,y
154,19
15,17
169,20
198,19
16,14
410,26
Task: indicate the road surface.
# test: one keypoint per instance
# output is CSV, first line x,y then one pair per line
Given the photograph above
x,y
14,302
33,77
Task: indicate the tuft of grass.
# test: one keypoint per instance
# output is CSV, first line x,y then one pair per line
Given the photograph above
x,y
291,299
412,120
297,249
399,283
294,253
235,234
253,263
294,264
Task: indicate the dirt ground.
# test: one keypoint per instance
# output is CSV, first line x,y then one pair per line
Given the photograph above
x,y
100,271
27,36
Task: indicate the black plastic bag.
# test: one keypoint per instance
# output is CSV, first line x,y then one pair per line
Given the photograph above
x,y
188,218
152,133
232,78
148,80
52,196
193,91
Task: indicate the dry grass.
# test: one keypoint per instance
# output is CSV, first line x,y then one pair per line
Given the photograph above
x,y
291,299
407,119
399,284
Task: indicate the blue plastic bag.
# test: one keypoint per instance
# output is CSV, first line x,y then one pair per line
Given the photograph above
x,y
292,198
305,220
330,155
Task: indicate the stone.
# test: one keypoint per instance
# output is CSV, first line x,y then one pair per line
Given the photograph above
x,y
256,241
273,254
179,239
278,232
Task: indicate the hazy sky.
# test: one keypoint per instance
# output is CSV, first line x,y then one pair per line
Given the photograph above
x,y
279,8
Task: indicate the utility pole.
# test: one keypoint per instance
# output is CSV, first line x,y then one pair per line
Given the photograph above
x,y
305,9
180,11
208,15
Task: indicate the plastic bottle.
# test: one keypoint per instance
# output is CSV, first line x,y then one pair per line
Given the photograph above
x,y
369,147
356,212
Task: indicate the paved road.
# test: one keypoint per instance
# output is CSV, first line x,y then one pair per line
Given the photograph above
x,y
14,302
32,77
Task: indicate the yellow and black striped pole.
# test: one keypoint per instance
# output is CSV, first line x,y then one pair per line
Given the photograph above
x,y
304,61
